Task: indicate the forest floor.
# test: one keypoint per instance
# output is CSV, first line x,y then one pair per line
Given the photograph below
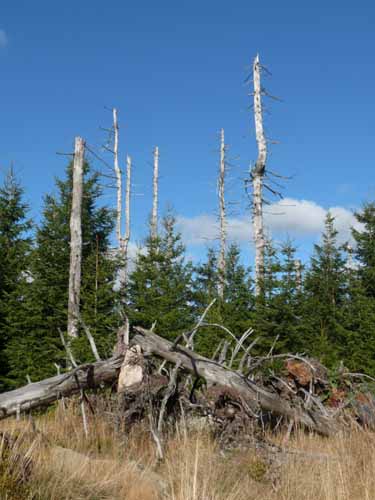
x,y
50,457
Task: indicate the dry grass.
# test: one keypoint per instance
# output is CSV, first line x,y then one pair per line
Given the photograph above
x,y
103,466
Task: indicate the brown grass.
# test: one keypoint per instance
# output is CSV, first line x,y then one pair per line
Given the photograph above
x,y
105,466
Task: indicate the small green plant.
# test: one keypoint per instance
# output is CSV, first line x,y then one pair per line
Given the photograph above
x,y
258,469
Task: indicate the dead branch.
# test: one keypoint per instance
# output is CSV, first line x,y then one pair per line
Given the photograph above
x,y
255,396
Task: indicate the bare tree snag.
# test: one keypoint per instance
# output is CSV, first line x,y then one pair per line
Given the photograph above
x,y
222,216
122,239
257,175
155,196
127,216
118,174
75,240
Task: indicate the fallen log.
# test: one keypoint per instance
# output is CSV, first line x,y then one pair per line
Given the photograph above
x,y
47,391
257,398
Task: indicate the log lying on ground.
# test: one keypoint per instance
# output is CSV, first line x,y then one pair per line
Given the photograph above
x,y
255,397
47,391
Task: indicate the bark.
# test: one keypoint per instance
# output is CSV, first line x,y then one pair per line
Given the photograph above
x,y
49,390
155,198
75,240
255,397
222,216
257,178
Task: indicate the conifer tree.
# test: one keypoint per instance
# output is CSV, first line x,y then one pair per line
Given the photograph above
x,y
266,309
326,288
34,328
365,247
359,346
288,302
15,246
160,289
234,310
238,293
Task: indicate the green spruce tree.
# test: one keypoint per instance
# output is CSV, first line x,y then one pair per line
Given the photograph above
x,y
15,246
359,347
40,306
326,289
160,288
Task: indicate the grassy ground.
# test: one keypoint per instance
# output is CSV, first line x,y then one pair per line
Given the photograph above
x,y
39,464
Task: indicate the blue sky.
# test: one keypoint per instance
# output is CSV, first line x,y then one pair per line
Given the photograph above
x,y
176,71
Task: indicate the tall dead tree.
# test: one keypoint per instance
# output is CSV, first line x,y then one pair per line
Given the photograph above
x,y
257,176
122,239
222,216
75,239
155,196
127,215
118,174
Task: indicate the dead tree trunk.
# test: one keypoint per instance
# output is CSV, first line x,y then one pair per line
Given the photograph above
x,y
155,197
257,174
75,240
222,216
51,389
122,239
118,174
256,398
127,216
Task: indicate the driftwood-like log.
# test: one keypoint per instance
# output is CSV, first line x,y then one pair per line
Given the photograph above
x,y
255,397
47,391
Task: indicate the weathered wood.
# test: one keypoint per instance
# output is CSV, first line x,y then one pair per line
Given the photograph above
x,y
127,217
51,389
222,217
257,398
155,196
257,175
131,372
75,240
118,175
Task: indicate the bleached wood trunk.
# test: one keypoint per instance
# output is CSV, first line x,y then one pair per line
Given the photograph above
x,y
127,216
257,178
155,197
222,216
118,175
75,240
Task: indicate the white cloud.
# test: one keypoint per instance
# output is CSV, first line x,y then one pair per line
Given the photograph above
x,y
288,216
3,38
